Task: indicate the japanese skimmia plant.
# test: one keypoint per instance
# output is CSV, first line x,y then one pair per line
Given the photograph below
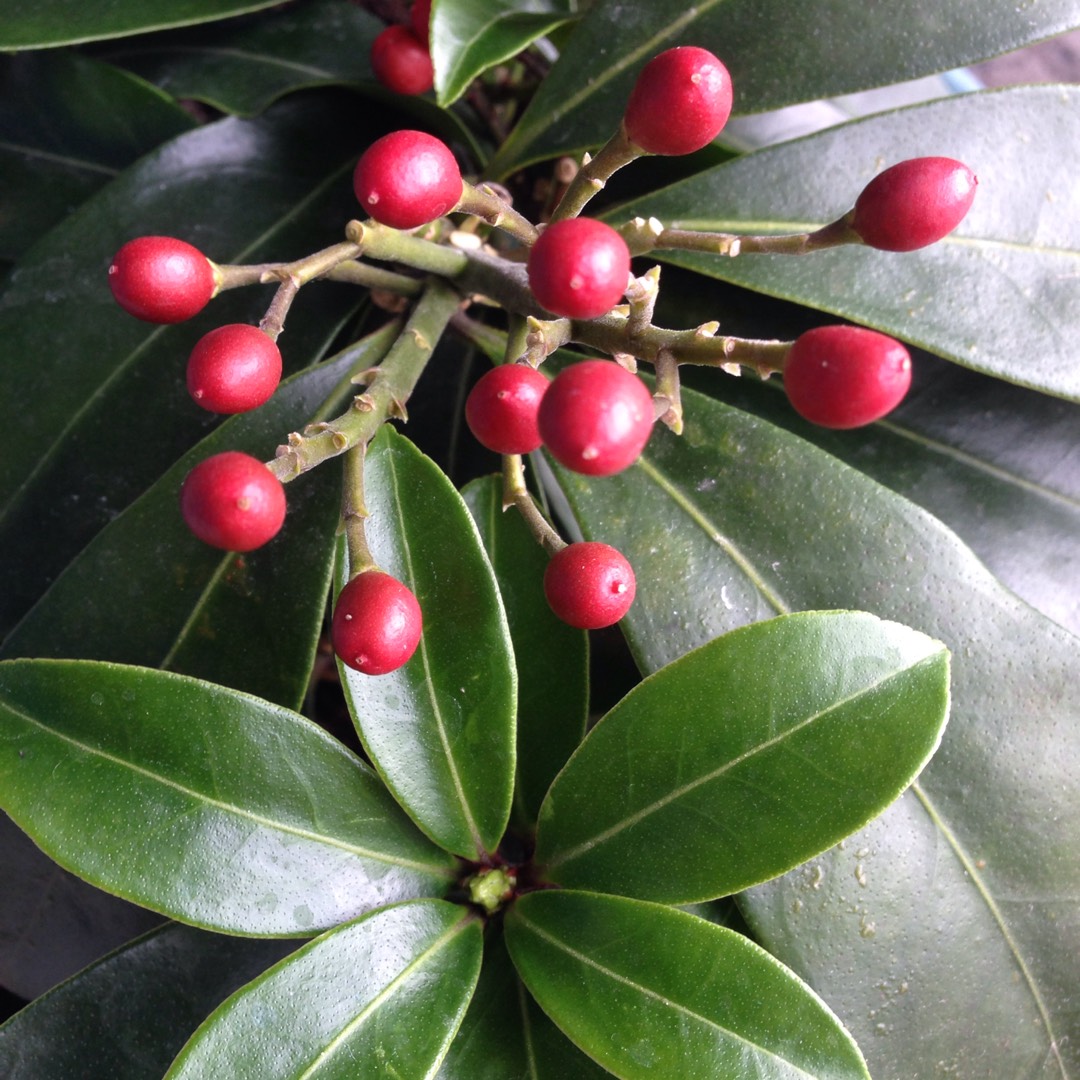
x,y
507,575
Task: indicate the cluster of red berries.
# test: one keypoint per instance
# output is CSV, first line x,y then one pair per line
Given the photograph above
x,y
401,55
595,416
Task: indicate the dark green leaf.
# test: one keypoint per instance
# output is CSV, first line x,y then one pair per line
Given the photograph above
x,y
75,364
649,991
242,66
204,804
126,1017
739,520
470,36
247,621
981,296
773,49
505,1033
51,923
33,24
440,729
746,757
552,658
382,996
68,125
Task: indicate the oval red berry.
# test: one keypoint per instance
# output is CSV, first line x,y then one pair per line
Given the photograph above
x,y
846,376
401,61
233,369
914,203
579,268
377,623
680,102
589,585
233,501
407,178
501,409
595,417
160,279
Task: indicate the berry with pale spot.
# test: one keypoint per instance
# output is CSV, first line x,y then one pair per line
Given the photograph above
x,y
501,409
579,268
233,501
233,369
376,624
160,279
589,585
401,61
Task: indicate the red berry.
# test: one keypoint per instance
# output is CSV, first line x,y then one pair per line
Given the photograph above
x,y
589,585
846,376
406,179
501,408
233,501
596,417
579,268
914,203
377,623
233,369
161,280
401,61
680,102
420,18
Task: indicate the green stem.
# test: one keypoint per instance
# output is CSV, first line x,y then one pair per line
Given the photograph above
x,y
484,202
389,387
516,494
595,173
354,512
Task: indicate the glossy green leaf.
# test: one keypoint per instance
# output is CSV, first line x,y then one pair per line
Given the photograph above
x,y
1004,279
470,36
127,1016
994,462
505,1033
552,658
969,881
247,621
649,991
242,66
68,125
52,924
204,804
773,51
33,24
440,730
241,191
381,996
746,757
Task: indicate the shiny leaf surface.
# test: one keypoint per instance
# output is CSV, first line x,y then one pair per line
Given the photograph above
x,y
127,1016
380,996
650,991
240,191
242,66
218,616
207,805
470,36
34,24
737,521
981,296
440,729
505,1033
773,51
745,757
552,658
69,125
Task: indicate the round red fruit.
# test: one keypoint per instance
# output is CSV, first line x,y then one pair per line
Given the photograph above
x,y
501,409
233,501
589,585
377,623
579,268
233,369
401,61
420,19
595,417
846,376
680,102
406,179
914,203
160,279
